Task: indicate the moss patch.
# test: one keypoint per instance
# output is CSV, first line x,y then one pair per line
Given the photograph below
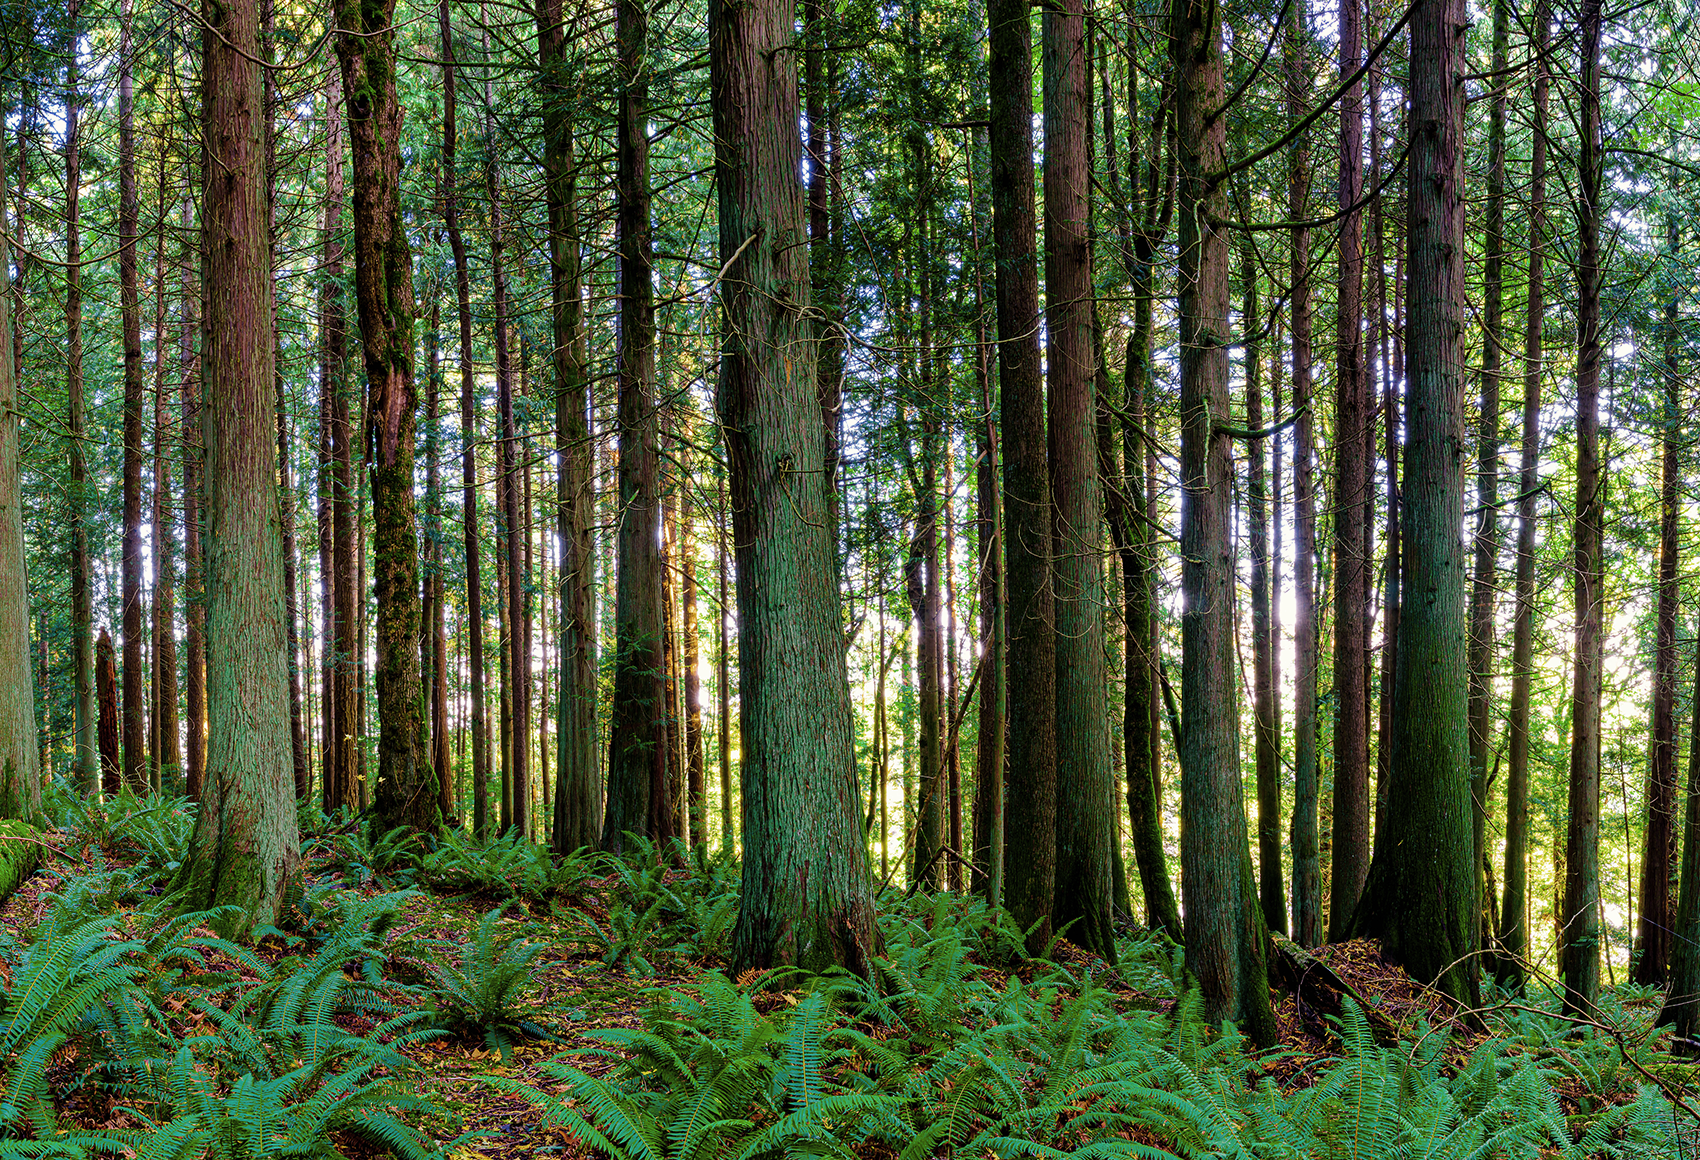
x,y
21,846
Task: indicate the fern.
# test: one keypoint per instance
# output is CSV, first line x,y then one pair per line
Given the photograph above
x,y
480,992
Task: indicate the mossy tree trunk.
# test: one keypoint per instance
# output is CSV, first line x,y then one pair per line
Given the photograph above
x,y
806,894
383,278
1225,934
1420,895
638,799
245,849
20,754
578,787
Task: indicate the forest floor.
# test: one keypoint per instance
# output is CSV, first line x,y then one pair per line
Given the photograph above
x,y
584,1011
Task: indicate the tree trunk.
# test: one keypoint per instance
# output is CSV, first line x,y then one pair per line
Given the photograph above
x,y
806,896
134,703
1272,891
1514,912
1487,457
340,789
1419,898
1307,866
383,274
698,811
1086,819
434,644
244,850
517,675
1579,951
20,755
106,691
1030,831
167,756
578,787
194,610
1658,851
637,761
469,439
1225,935
723,678
1354,430
85,761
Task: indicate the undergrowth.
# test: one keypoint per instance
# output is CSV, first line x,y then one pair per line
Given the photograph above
x,y
129,1030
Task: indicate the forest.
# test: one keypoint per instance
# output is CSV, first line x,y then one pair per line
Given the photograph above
x,y
736,579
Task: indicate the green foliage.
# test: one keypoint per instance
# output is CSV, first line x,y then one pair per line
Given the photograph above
x,y
479,992
367,856
506,867
195,1036
687,910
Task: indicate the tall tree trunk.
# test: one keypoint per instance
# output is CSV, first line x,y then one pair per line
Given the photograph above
x,y
85,763
806,897
637,762
134,703
1307,866
723,657
1658,850
987,878
1086,819
469,438
698,812
517,680
106,691
1225,935
1030,831
1419,897
1484,581
340,786
1579,949
20,754
168,757
244,850
1514,911
578,792
1272,891
1354,430
434,645
383,274
194,610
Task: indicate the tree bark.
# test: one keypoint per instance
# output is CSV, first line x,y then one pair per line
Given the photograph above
x,y
638,801
383,274
20,755
244,850
1030,827
194,609
1419,898
167,755
1225,935
1354,432
1307,865
130,309
1514,911
1086,818
1487,535
342,739
806,896
85,760
106,691
517,676
578,790
469,439
1580,924
1658,850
